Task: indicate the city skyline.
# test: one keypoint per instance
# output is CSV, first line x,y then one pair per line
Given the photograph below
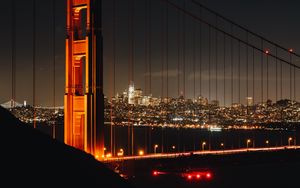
x,y
268,24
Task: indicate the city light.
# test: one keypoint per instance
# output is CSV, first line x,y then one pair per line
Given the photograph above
x,y
141,152
155,147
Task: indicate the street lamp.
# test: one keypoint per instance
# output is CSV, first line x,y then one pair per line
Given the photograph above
x,y
222,145
290,139
120,153
173,147
248,142
267,143
141,152
203,145
155,147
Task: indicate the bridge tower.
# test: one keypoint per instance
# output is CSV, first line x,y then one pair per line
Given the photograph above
x,y
84,101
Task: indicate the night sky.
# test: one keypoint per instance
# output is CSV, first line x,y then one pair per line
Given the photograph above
x,y
273,19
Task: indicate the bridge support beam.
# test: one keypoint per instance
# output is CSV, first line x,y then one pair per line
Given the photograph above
x,y
84,100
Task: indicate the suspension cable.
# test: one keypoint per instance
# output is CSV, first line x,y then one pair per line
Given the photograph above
x,y
224,70
216,71
231,58
239,72
262,72
54,69
243,28
276,79
253,75
200,54
228,34
13,54
34,63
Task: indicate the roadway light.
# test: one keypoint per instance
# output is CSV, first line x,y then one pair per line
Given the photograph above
x,y
141,152
173,147
248,142
267,143
290,139
267,51
155,147
203,145
120,153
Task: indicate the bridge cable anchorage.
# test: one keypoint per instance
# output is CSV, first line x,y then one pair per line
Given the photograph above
x,y
54,67
34,63
228,34
13,54
242,28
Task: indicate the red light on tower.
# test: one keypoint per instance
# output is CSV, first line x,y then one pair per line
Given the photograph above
x,y
155,173
291,50
198,176
267,51
189,177
208,175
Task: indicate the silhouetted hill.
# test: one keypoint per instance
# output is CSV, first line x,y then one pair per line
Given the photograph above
x,y
30,158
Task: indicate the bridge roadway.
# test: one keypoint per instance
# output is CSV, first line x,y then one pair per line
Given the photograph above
x,y
211,152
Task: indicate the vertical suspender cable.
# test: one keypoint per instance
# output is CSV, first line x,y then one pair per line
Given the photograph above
x,y
200,54
239,72
112,148
162,70
194,60
209,69
231,58
224,70
33,63
291,77
247,72
184,43
267,75
54,70
13,54
253,75
262,72
216,71
146,66
178,52
276,75
150,64
132,67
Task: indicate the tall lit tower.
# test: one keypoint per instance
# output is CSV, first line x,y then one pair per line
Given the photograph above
x,y
84,102
131,93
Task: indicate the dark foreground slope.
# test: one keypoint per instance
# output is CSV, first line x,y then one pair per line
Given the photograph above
x,y
30,158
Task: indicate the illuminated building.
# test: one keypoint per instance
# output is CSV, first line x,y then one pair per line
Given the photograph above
x,y
131,93
84,101
249,101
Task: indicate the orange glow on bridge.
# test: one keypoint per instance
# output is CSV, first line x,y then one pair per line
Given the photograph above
x,y
84,77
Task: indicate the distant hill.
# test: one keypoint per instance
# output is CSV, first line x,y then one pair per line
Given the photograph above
x,y
30,158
